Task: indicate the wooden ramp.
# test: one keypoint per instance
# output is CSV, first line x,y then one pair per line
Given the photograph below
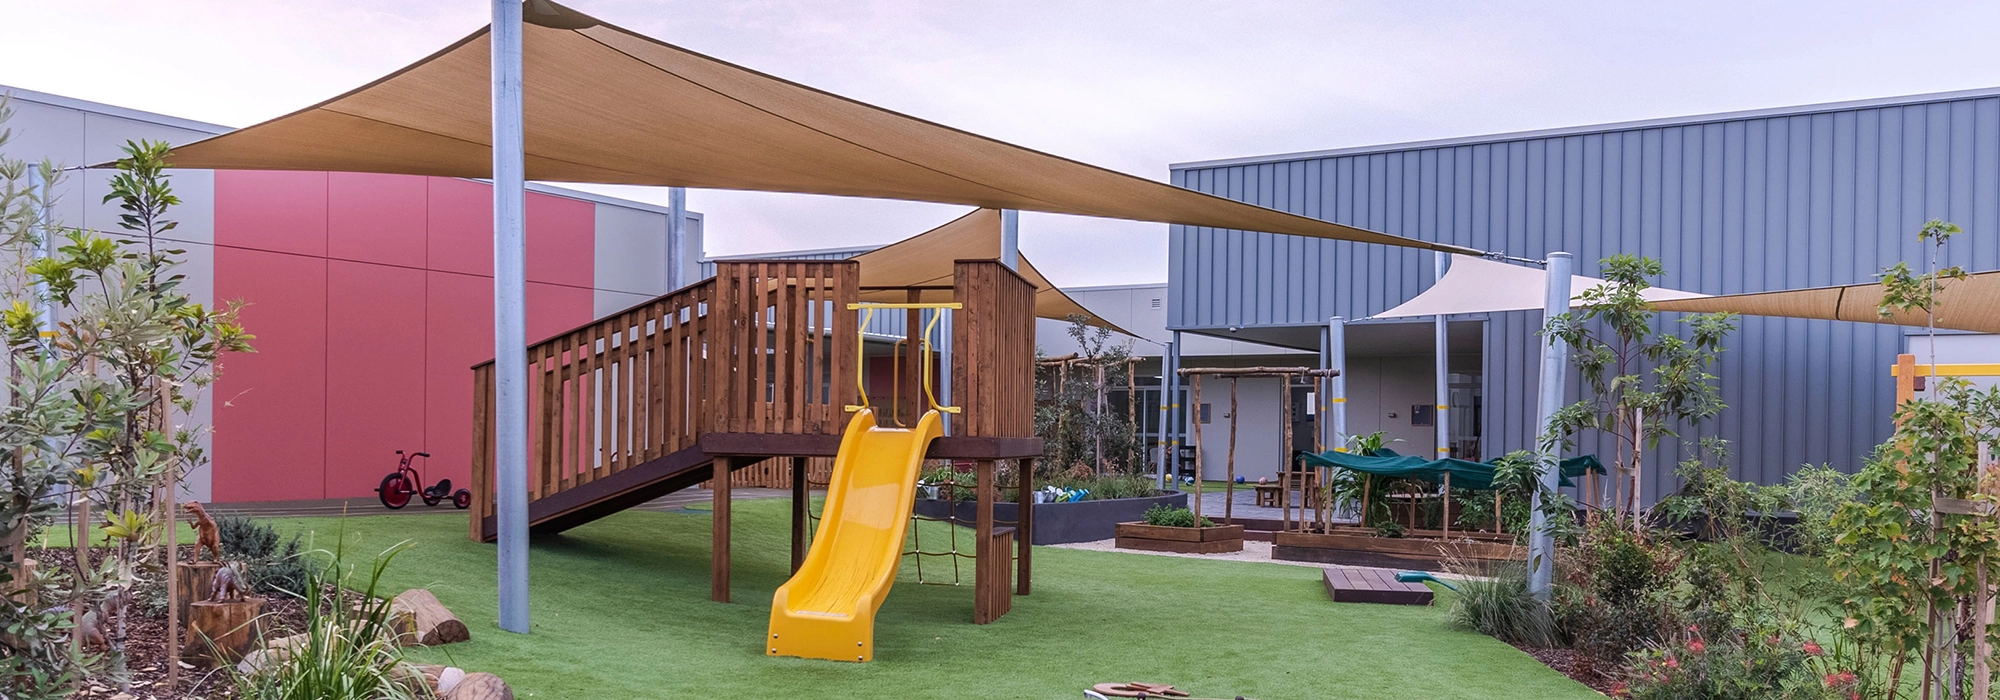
x,y
1374,586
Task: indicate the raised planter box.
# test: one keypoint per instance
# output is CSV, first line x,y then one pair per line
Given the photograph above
x,y
1060,523
1391,552
1185,540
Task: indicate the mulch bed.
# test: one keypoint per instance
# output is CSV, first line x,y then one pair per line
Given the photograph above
x,y
146,640
1572,664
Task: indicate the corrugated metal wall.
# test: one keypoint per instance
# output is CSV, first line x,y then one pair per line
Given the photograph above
x,y
1826,196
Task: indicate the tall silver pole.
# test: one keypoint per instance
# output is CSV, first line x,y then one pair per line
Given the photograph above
x,y
45,247
1555,367
1442,379
1176,415
510,317
944,363
677,241
1166,451
1010,238
1336,354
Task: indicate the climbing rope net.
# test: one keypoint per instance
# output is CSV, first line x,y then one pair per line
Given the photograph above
x,y
955,488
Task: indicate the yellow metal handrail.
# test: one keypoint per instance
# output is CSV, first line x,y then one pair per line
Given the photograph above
x,y
861,349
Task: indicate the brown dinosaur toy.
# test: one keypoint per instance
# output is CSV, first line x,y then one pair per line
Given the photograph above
x,y
206,536
228,585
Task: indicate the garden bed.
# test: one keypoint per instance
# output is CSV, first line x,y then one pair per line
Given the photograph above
x,y
1426,554
1061,523
1185,540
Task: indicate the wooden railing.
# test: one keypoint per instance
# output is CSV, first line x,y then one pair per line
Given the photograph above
x,y
763,347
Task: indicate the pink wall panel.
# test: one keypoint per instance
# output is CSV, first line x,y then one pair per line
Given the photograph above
x,y
377,218
369,352
461,226
562,247
270,406
458,332
374,373
271,210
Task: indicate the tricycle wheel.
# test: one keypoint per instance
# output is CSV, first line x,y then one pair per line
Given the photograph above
x,y
462,499
395,491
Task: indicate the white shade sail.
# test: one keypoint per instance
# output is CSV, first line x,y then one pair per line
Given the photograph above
x,y
1477,285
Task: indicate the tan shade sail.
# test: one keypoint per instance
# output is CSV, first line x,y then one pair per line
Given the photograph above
x,y
1968,305
924,262
605,105
1475,285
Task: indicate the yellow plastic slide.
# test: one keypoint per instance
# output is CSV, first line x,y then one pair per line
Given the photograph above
x,y
827,610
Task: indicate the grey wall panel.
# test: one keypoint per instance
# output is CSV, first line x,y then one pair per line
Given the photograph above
x,y
1741,204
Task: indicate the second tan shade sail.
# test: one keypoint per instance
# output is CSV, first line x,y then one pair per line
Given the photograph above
x,y
606,105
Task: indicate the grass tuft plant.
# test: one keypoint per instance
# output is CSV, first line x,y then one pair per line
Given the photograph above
x,y
1501,607
348,650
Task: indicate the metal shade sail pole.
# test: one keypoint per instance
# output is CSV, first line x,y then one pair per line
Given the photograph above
x,y
510,317
1442,417
677,252
1166,400
1336,355
1010,239
1555,367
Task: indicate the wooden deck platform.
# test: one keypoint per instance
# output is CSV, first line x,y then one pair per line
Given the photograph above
x,y
1374,586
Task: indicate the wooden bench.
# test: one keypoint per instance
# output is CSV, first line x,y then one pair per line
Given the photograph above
x,y
1374,586
1267,495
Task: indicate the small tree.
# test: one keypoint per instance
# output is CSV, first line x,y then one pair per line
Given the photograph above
x,y
146,352
1074,415
1642,382
1915,571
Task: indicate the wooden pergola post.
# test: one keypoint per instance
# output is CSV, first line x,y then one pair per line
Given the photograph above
x,y
1198,449
1229,478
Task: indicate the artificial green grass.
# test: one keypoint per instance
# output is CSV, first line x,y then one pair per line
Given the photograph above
x,y
621,610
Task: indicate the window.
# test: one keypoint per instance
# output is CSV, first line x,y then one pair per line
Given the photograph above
x,y
1204,414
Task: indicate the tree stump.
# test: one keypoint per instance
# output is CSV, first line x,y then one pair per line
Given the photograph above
x,y
223,631
434,624
193,581
480,686
26,594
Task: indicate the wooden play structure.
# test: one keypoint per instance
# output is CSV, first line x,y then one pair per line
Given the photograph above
x,y
760,364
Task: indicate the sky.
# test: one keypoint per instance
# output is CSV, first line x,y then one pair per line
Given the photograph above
x,y
1129,85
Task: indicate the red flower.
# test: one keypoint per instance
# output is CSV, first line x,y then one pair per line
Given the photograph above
x,y
1620,690
1696,646
1812,648
1671,662
1841,679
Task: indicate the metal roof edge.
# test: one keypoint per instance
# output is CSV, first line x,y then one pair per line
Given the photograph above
x,y
54,100
1798,110
777,254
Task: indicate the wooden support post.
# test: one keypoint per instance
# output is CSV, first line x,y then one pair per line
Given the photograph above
x,y
718,557
801,515
1499,523
1285,453
1367,482
1982,649
1229,478
1024,531
1198,448
984,605
1906,378
1445,516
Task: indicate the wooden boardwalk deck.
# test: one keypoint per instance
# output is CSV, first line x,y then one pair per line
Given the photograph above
x,y
1374,586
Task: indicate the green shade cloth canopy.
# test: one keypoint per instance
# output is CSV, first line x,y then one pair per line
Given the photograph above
x,y
1465,474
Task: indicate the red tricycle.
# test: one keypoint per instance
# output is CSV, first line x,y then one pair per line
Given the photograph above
x,y
399,485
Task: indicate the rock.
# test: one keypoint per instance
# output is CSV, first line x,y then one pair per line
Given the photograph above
x,y
480,686
449,679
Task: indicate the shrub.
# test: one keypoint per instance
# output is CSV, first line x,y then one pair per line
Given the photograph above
x,y
1738,666
1816,493
1165,516
1617,597
1501,607
271,567
349,651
